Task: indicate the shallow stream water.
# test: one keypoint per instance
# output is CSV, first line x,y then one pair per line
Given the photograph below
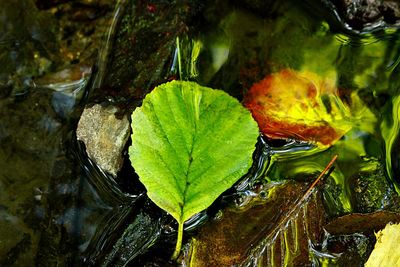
x,y
58,208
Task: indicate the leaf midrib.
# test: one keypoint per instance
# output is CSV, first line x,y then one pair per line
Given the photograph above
x,y
190,158
167,138
193,145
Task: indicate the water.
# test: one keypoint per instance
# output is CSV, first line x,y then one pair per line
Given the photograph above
x,y
58,208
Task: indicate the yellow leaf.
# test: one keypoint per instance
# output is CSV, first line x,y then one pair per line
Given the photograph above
x,y
304,106
386,251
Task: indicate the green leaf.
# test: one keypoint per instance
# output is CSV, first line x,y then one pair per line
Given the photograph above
x,y
189,144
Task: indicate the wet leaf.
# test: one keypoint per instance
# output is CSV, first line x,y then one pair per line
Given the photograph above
x,y
386,251
262,233
299,105
361,222
189,144
273,229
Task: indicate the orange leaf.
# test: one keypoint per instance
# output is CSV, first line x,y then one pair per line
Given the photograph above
x,y
299,105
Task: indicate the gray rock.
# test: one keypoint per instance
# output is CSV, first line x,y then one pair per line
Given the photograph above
x,y
104,135
357,16
360,13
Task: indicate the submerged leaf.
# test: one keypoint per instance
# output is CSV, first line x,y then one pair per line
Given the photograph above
x,y
299,105
361,222
262,233
190,144
386,251
271,231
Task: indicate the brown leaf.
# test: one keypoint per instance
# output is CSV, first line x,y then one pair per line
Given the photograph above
x,y
271,231
262,232
361,222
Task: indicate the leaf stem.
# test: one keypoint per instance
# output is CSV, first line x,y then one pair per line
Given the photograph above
x,y
282,221
178,242
308,192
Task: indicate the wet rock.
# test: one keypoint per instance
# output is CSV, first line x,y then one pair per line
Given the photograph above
x,y
27,43
360,13
33,165
104,135
15,239
141,53
135,240
371,191
103,213
81,27
35,42
343,250
357,16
